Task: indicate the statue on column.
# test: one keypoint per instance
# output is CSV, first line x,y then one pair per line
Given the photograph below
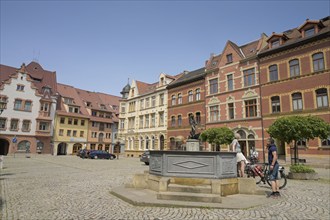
x,y
193,124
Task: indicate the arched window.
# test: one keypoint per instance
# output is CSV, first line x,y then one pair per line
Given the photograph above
x,y
190,96
101,136
147,143
172,142
40,146
318,62
152,142
179,120
273,73
173,100
24,146
297,101
141,143
173,121
179,98
322,98
198,94
294,68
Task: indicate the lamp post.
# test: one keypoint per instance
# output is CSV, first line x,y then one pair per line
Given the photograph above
x,y
3,105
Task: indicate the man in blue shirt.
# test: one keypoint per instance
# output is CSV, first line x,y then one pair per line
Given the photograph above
x,y
273,167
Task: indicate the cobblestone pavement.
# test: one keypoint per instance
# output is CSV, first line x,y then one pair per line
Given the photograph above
x,y
67,187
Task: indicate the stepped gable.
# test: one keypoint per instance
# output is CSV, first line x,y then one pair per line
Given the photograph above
x,y
40,77
67,91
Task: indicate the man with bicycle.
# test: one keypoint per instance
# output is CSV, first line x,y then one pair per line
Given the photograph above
x,y
273,167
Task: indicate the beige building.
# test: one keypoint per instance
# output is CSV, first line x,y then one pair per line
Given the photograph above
x,y
143,116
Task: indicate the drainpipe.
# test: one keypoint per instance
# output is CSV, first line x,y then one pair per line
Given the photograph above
x,y
261,115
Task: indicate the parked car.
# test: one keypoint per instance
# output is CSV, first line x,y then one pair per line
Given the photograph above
x,y
101,154
84,153
145,157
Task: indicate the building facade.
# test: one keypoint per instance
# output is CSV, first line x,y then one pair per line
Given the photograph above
x,y
85,120
295,79
143,116
233,93
186,100
26,123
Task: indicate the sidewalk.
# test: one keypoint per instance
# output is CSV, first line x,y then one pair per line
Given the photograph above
x,y
320,165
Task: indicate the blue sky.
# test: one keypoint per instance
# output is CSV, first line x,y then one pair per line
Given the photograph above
x,y
98,45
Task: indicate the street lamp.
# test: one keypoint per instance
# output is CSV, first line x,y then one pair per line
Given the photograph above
x,y
2,105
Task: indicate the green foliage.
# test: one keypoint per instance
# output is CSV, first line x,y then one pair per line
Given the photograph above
x,y
300,168
218,136
294,128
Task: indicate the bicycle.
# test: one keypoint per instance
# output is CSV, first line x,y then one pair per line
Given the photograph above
x,y
260,172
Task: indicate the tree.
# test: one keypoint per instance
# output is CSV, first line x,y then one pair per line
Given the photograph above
x,y
217,136
294,128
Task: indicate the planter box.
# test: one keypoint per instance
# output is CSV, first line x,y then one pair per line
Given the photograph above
x,y
303,176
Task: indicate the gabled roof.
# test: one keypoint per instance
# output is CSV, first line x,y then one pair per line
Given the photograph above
x,y
277,35
318,22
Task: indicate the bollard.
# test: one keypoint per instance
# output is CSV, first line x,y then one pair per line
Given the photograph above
x,y
1,162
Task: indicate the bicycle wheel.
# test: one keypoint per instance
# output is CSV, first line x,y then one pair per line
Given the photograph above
x,y
281,180
257,178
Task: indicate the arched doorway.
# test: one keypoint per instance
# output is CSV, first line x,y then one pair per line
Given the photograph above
x,y
4,147
61,149
100,147
161,142
76,148
247,142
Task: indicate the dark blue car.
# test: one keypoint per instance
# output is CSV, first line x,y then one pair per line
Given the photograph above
x,y
101,154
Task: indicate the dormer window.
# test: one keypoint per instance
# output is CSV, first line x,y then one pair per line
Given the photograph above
x,y
275,43
162,82
88,104
229,58
103,107
68,101
309,32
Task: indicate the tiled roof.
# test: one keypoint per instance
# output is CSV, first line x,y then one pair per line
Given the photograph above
x,y
96,99
70,92
188,77
145,88
294,36
39,76
250,49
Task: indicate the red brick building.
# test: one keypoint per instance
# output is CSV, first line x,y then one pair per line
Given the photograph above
x,y
295,79
233,93
186,97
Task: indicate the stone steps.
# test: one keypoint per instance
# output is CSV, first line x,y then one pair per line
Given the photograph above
x,y
192,189
191,197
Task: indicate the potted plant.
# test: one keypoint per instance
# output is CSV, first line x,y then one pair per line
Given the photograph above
x,y
302,172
